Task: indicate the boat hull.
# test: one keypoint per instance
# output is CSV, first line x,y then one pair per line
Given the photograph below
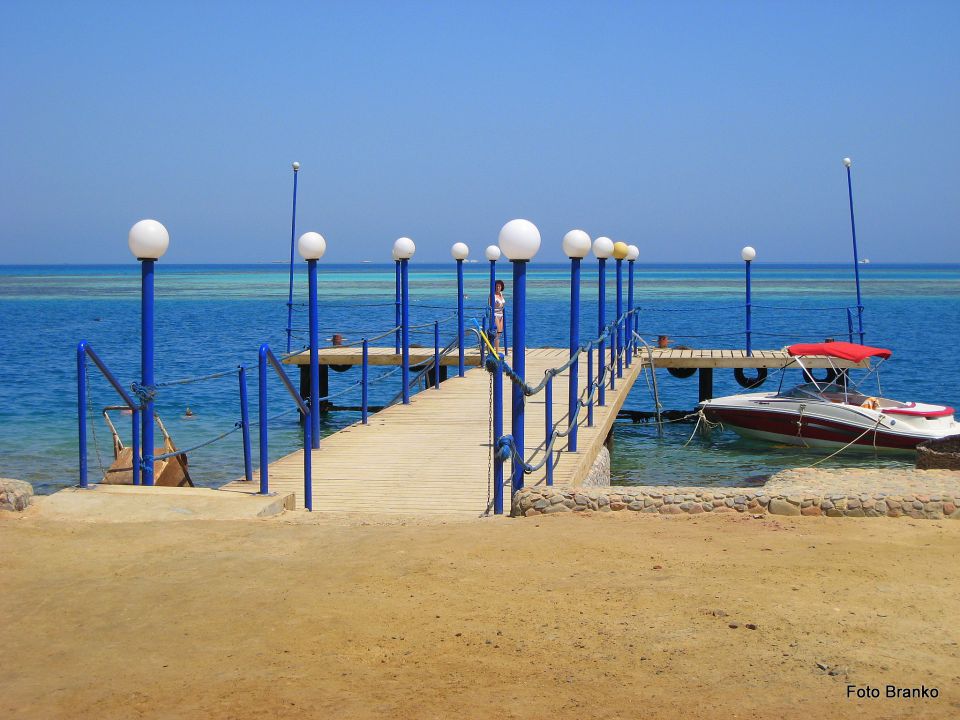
x,y
825,425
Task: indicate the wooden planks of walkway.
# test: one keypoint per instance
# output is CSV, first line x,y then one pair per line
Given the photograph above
x,y
433,455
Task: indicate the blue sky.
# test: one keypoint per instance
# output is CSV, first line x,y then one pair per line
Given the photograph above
x,y
688,128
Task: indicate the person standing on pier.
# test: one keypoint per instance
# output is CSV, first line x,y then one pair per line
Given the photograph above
x,y
499,303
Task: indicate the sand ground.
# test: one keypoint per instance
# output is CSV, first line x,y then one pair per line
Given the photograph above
x,y
603,616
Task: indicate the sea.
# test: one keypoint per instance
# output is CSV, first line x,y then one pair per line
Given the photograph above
x,y
213,318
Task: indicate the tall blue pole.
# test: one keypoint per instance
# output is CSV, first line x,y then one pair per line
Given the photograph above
x,y
146,364
263,422
631,340
245,423
619,317
405,330
497,434
856,258
135,445
548,423
293,234
493,295
574,347
365,381
460,329
82,411
519,366
436,354
314,356
748,309
397,315
601,322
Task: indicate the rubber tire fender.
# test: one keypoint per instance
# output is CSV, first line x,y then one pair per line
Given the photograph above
x,y
747,382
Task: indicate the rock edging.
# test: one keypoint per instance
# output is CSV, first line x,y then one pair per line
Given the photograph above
x,y
15,495
542,500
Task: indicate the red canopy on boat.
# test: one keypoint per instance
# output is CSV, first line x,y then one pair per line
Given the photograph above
x,y
842,350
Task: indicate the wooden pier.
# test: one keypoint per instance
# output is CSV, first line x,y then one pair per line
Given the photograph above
x,y
434,456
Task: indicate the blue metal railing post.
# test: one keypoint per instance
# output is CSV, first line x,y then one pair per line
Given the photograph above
x,y
590,388
397,315
748,310
307,466
263,422
519,366
493,296
405,332
314,418
548,422
574,348
631,341
293,234
619,335
365,381
460,329
849,325
245,423
135,445
82,411
856,258
436,354
497,434
601,324
146,364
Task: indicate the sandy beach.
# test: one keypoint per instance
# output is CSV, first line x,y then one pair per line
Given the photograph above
x,y
575,616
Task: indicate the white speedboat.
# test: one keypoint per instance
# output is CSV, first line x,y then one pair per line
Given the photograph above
x,y
833,412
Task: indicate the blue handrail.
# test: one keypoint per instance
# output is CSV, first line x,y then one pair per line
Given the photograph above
x,y
267,358
83,352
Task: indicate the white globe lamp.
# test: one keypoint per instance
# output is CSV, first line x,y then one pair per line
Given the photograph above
x,y
748,254
459,251
576,244
603,248
492,252
148,240
519,240
847,162
404,248
311,246
633,252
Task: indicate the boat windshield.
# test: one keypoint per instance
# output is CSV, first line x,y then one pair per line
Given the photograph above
x,y
831,392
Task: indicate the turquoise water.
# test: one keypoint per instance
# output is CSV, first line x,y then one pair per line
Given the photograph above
x,y
212,318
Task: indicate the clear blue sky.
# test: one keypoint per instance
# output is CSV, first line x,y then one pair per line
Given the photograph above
x,y
688,128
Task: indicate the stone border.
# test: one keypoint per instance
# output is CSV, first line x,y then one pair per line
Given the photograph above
x,y
542,500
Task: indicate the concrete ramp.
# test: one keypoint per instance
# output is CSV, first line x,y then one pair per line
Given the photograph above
x,y
122,503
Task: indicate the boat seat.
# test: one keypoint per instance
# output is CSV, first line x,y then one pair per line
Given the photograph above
x,y
920,410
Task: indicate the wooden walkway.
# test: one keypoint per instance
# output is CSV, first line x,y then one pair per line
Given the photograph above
x,y
433,455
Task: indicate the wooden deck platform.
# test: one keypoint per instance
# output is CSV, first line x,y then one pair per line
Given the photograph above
x,y
663,358
381,356
433,455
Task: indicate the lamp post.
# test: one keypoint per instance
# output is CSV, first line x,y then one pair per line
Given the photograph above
x,y
403,250
396,303
460,251
847,162
312,246
748,254
519,240
293,232
492,254
620,252
148,241
602,249
576,246
633,252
